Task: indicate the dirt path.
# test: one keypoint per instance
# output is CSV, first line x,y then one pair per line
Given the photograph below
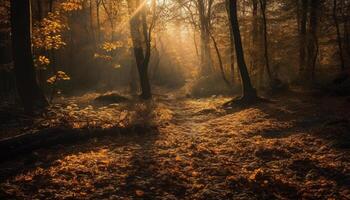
x,y
289,148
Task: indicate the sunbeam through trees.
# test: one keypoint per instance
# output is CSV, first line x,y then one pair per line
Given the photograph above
x,y
174,99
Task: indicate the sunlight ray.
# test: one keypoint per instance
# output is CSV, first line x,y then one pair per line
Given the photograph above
x,y
133,14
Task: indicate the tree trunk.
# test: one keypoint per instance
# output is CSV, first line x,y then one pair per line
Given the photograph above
x,y
146,86
205,50
138,22
255,46
266,53
31,95
92,23
312,39
232,57
340,45
232,46
50,5
40,10
28,142
220,61
98,2
346,33
302,35
110,19
248,91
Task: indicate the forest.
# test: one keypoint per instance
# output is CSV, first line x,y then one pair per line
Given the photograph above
x,y
175,99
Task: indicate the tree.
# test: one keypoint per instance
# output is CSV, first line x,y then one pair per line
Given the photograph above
x,y
339,40
266,53
275,82
200,14
302,34
98,3
255,48
110,16
249,92
31,95
221,65
232,47
141,38
204,11
312,43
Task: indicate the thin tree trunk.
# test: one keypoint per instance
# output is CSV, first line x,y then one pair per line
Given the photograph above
x,y
50,5
40,10
31,95
220,60
92,23
340,45
248,91
313,40
266,53
254,49
346,34
345,18
98,20
302,36
110,19
205,50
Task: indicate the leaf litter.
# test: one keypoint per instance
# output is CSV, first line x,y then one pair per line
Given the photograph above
x,y
200,152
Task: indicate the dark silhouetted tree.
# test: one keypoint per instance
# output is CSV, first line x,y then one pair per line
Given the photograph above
x,y
302,34
312,43
249,92
31,95
339,40
141,38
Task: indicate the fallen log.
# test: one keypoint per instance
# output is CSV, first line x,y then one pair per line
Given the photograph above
x,y
28,142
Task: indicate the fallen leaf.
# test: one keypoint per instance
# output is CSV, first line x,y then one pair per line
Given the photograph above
x,y
139,193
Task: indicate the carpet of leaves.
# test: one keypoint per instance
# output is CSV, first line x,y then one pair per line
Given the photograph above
x,y
293,147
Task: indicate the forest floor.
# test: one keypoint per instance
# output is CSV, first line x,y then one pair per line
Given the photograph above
x,y
295,146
